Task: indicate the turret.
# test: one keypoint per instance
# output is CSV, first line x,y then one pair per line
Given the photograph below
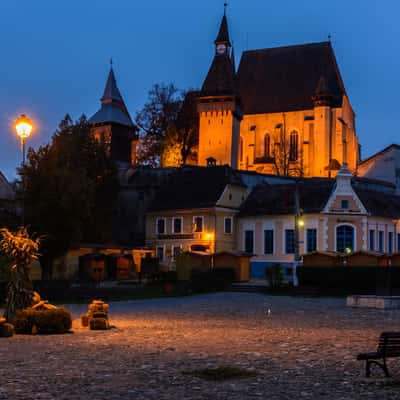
x,y
113,124
219,106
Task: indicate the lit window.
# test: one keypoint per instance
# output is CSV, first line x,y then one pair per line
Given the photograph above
x,y
177,225
160,226
198,224
228,225
267,145
293,146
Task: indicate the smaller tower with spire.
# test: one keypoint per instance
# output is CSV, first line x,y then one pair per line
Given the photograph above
x,y
219,105
113,124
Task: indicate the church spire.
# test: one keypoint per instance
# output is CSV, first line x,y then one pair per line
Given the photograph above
x,y
111,91
223,34
113,108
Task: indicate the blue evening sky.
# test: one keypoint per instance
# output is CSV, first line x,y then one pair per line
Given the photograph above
x,y
55,54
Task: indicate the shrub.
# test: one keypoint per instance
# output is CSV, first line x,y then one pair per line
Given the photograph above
x,y
183,268
274,275
346,277
57,320
6,330
212,280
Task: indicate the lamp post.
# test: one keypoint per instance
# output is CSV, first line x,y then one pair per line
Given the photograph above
x,y
298,223
23,127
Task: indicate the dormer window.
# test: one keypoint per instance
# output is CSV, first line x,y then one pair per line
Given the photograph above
x,y
345,204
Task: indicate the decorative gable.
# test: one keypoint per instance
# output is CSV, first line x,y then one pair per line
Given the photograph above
x,y
343,199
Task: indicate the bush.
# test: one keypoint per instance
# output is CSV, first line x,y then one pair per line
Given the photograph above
x,y
6,330
212,280
183,266
52,321
345,277
274,275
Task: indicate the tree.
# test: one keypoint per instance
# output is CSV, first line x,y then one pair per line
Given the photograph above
x,y
287,154
183,134
23,250
159,112
70,190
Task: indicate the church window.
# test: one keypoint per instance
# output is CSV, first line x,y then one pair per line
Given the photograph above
x,y
293,146
267,145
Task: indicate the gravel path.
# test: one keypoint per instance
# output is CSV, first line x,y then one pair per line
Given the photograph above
x,y
304,348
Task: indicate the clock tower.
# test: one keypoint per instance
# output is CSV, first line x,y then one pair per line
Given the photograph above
x,y
218,105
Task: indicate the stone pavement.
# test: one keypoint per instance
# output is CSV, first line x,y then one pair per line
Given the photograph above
x,y
304,348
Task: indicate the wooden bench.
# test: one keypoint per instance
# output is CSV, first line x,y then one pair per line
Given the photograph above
x,y
388,347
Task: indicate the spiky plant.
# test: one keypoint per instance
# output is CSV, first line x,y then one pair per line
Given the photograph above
x,y
23,250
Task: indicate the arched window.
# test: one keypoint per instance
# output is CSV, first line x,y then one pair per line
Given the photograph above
x,y
344,239
241,149
293,146
267,145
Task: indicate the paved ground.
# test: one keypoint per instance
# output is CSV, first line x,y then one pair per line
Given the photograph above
x,y
304,348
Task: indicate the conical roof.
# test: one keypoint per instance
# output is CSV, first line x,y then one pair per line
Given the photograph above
x,y
113,109
223,34
111,90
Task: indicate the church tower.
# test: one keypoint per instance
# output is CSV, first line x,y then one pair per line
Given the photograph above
x,y
218,106
113,124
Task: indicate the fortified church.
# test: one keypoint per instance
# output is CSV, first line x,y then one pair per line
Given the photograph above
x,y
280,127
285,110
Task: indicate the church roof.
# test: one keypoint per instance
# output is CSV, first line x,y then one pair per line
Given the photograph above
x,y
286,78
220,79
223,34
113,107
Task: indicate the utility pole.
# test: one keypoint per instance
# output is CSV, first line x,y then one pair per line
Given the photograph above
x,y
297,222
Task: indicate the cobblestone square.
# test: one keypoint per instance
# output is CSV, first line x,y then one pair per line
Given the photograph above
x,y
301,348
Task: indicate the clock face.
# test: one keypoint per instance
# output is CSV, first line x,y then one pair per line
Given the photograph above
x,y
221,48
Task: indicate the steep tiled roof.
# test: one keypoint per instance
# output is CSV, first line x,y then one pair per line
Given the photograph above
x,y
221,79
223,34
286,78
113,107
195,187
266,199
378,203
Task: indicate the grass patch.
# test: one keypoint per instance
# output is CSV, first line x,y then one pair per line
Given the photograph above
x,y
221,373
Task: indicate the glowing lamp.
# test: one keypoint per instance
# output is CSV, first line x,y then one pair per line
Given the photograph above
x,y
347,250
209,236
23,126
300,223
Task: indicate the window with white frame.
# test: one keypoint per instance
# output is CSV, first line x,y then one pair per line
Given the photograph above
x,y
177,225
198,224
175,251
228,225
161,226
160,253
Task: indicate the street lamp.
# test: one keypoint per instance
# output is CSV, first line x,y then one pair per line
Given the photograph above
x,y
23,126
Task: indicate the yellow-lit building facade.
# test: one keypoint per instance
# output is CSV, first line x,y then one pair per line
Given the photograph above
x,y
284,111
